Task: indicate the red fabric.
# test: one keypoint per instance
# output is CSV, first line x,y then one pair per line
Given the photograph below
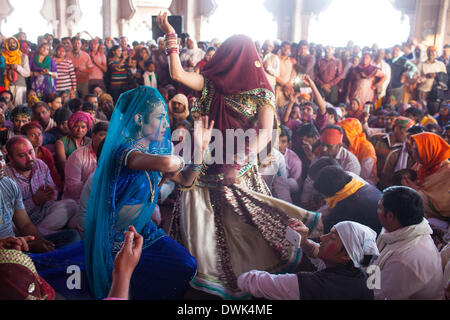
x,y
17,280
46,156
331,136
234,69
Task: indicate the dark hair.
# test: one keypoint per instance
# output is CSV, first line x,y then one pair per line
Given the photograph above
x,y
89,95
39,105
330,180
2,99
111,51
286,132
92,88
22,109
210,49
10,94
183,123
100,126
99,149
416,129
308,130
332,111
303,43
61,115
147,63
285,43
87,106
75,39
433,127
404,203
75,104
333,126
50,97
29,126
323,162
416,112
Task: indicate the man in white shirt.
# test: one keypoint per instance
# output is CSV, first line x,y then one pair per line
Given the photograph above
x,y
427,73
271,63
410,264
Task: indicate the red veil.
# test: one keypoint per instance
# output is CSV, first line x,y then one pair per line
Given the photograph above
x,y
236,86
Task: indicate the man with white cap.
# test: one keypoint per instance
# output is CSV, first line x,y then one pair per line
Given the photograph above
x,y
344,251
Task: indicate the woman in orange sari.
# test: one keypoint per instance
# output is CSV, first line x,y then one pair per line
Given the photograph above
x,y
431,153
357,143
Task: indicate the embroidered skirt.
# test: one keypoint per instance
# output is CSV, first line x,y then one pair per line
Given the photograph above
x,y
232,230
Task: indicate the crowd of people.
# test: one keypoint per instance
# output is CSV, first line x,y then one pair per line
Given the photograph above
x,y
360,164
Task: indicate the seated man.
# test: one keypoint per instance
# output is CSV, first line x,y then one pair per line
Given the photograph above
x,y
331,145
293,162
304,141
38,189
33,131
13,214
61,129
386,143
20,115
273,171
348,199
399,159
344,251
410,264
41,113
318,201
82,162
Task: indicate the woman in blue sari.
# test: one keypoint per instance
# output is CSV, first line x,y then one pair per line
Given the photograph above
x,y
135,160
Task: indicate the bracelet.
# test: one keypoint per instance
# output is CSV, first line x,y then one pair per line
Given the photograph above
x,y
182,164
171,43
196,167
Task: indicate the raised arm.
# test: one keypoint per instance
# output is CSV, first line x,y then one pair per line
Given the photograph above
x,y
192,80
317,96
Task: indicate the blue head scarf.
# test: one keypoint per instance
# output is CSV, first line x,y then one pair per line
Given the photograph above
x,y
108,194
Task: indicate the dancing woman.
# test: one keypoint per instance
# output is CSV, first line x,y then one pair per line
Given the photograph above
x,y
136,154
228,220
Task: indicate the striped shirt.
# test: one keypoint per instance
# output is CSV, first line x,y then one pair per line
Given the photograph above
x,y
40,175
66,79
118,75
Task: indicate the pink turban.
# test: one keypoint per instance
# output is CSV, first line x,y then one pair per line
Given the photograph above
x,y
80,116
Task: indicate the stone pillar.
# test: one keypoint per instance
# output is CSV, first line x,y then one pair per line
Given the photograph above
x,y
429,21
5,10
441,34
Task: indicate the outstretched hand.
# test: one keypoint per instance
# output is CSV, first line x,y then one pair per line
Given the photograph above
x,y
163,23
203,132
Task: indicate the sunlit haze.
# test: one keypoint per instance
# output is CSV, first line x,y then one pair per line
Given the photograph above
x,y
365,22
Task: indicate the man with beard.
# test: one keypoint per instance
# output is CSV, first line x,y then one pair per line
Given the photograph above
x,y
17,69
39,193
12,212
